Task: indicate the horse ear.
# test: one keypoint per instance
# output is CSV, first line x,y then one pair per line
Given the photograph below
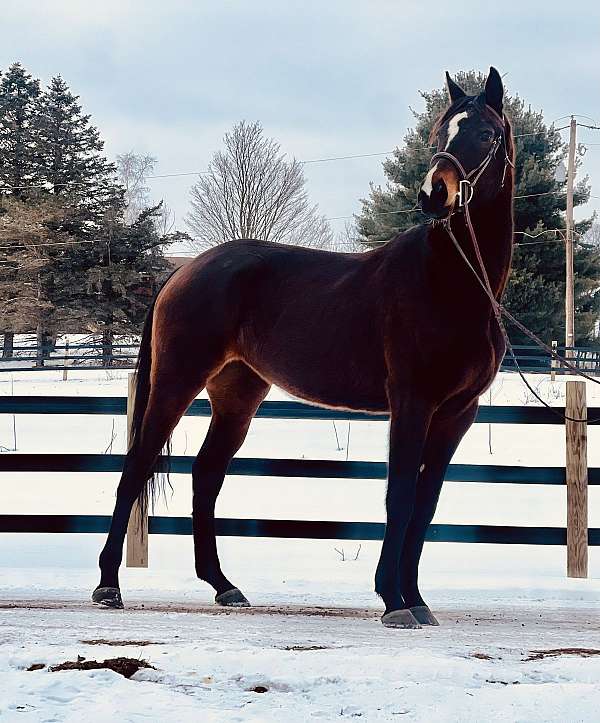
x,y
454,90
494,91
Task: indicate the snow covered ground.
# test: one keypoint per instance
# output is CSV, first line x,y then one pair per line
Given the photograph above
x,y
475,667
496,603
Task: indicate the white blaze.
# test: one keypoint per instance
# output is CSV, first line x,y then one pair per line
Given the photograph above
x,y
453,127
426,187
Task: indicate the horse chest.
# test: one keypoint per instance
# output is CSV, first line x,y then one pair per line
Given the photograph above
x,y
470,369
461,363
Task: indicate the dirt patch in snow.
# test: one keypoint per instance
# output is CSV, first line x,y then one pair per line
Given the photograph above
x,y
307,647
124,666
556,652
117,643
201,608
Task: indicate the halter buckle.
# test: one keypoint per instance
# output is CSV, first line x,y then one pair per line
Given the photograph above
x,y
465,193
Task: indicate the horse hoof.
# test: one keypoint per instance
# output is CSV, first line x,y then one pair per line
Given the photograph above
x,y
423,615
400,619
108,597
233,598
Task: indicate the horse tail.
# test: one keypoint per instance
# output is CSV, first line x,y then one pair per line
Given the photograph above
x,y
159,475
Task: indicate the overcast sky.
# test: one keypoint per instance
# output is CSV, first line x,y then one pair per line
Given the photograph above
x,y
324,78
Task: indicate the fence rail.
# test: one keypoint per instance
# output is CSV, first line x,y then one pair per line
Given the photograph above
x,y
95,356
508,414
314,529
576,477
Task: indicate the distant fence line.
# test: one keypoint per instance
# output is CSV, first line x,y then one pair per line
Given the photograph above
x,y
123,356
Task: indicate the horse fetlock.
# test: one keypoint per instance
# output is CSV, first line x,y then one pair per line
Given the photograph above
x,y
412,596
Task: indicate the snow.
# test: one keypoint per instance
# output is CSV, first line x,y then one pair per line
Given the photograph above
x,y
497,602
474,667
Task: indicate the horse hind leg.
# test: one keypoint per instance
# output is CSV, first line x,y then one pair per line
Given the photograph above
x,y
167,402
235,394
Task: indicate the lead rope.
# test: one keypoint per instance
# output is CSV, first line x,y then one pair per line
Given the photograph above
x,y
499,310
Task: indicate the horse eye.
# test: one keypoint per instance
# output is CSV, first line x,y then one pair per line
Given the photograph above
x,y
487,136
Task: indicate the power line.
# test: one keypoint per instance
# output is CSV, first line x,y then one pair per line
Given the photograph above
x,y
379,213
345,158
410,210
319,160
414,209
546,193
172,175
576,115
326,159
537,243
541,233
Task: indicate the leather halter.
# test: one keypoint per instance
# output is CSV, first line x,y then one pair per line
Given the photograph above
x,y
468,181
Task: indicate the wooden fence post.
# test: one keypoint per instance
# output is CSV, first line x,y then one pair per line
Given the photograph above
x,y
553,362
577,481
137,529
65,368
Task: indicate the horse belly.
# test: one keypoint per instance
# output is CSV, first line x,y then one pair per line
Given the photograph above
x,y
336,375
336,393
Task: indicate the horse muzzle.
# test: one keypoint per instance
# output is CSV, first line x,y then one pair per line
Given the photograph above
x,y
439,190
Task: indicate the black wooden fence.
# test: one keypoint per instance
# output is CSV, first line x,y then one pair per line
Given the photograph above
x,y
531,359
355,530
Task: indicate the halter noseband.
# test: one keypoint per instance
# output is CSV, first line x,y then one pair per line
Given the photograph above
x,y
468,181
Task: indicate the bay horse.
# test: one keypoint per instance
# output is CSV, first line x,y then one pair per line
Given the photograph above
x,y
403,329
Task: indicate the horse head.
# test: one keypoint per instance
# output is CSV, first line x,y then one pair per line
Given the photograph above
x,y
474,150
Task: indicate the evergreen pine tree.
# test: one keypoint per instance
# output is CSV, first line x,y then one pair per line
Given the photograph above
x,y
124,268
33,245
70,152
18,162
18,165
69,262
536,290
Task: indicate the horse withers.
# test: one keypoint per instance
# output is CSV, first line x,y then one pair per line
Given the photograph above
x,y
367,332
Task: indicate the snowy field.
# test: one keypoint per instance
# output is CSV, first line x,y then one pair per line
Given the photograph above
x,y
314,640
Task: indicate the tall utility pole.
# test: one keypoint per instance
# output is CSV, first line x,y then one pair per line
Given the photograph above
x,y
569,291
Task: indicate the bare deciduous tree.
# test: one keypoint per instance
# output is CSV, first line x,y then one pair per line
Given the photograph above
x,y
251,191
132,170
348,240
165,223
593,235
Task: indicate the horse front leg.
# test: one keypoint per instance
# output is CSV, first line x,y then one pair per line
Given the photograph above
x,y
445,433
409,426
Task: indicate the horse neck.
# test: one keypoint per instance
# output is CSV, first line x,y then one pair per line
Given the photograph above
x,y
493,226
